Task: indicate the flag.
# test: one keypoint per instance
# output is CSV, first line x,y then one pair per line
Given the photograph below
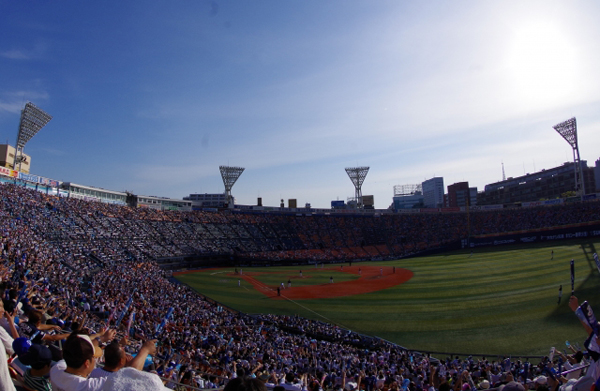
x,y
163,323
586,308
130,322
112,315
127,305
572,277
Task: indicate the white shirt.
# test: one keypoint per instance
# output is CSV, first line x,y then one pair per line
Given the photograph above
x,y
6,326
63,381
5,379
99,372
292,386
7,341
574,374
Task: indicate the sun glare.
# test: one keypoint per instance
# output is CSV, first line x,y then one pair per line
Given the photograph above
x,y
542,65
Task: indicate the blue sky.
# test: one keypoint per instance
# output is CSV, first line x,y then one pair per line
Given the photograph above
x,y
152,97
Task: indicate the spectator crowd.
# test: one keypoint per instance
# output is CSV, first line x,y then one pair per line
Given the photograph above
x,y
81,286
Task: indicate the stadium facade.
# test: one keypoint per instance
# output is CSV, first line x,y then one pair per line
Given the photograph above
x,y
546,184
215,200
7,158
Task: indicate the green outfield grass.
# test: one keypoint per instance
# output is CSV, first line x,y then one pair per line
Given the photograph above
x,y
500,301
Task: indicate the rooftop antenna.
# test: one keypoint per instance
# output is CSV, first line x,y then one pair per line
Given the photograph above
x,y
503,175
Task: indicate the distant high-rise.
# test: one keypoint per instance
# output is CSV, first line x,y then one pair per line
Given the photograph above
x,y
433,192
459,194
597,174
472,196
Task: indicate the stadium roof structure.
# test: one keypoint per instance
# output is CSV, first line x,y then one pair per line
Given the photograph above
x,y
33,119
568,130
357,176
230,175
405,190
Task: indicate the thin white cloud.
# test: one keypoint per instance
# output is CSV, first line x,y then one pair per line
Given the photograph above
x,y
10,107
15,54
35,53
13,101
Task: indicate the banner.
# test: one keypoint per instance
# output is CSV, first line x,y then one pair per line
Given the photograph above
x,y
131,320
163,323
29,177
554,202
127,305
531,204
490,207
533,237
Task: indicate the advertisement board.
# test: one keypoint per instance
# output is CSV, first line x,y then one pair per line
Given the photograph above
x,y
533,237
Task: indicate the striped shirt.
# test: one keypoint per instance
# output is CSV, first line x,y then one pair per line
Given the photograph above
x,y
38,383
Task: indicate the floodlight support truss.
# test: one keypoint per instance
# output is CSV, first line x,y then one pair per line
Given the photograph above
x,y
568,130
33,119
357,176
230,175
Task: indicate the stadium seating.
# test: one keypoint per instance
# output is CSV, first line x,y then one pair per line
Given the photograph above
x,y
73,254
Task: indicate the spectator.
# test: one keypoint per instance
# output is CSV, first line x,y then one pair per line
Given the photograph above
x,y
80,355
39,358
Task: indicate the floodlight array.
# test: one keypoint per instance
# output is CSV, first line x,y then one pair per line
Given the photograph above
x,y
33,119
568,130
230,175
357,176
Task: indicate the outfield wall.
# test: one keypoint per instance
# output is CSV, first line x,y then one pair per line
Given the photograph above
x,y
579,231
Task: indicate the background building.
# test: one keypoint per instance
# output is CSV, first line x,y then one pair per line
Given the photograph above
x,y
200,201
597,175
338,204
408,196
7,158
368,202
433,192
459,195
161,203
472,196
545,184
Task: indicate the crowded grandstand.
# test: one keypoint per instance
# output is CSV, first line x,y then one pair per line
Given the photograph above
x,y
72,268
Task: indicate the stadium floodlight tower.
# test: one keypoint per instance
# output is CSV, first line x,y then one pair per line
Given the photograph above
x,y
357,176
568,130
33,119
230,175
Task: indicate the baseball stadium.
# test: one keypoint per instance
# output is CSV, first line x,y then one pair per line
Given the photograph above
x,y
366,297
299,195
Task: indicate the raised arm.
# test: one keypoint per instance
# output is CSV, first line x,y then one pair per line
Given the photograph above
x,y
149,347
574,305
11,324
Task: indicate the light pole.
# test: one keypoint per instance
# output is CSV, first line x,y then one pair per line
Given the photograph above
x,y
357,176
568,130
33,119
230,175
